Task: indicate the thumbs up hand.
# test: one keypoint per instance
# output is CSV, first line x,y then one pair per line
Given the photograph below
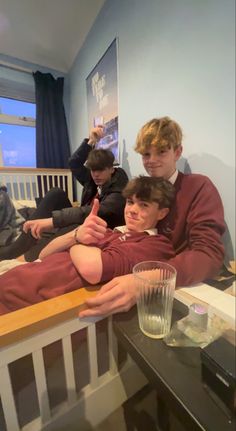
x,y
95,207
93,229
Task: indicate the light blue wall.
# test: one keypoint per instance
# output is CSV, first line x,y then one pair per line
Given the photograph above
x,y
176,58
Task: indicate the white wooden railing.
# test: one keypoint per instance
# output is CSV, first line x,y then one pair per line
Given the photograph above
x,y
28,183
28,332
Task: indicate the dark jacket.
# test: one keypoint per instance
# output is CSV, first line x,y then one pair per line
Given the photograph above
x,y
10,220
111,200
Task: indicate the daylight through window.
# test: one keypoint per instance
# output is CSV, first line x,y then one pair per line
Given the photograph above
x,y
17,133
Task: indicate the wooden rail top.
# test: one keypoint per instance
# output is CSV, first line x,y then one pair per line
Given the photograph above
x,y
29,320
32,170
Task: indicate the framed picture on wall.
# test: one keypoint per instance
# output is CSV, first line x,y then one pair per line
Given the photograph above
x,y
102,99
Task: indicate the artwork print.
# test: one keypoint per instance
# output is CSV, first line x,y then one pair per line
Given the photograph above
x,y
102,99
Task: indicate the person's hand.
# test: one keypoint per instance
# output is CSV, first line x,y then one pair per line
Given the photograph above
x,y
95,135
116,296
93,229
38,226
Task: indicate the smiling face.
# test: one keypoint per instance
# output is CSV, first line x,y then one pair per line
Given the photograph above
x,y
159,142
161,162
141,215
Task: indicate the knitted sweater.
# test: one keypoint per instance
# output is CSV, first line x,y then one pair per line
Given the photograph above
x,y
56,274
195,225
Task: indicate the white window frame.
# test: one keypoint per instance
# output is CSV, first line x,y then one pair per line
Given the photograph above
x,y
18,121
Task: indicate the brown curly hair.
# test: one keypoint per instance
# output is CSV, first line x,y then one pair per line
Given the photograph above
x,y
150,189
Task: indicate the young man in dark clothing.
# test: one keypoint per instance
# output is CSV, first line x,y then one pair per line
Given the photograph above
x,y
99,178
55,215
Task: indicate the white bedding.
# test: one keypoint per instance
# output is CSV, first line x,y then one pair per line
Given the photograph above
x,y
19,204
5,265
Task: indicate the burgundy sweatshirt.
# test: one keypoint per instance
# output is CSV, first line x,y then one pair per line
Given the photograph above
x,y
195,225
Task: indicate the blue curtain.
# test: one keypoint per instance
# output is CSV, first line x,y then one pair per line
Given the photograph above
x,y
52,140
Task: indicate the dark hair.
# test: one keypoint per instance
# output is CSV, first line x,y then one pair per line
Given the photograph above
x,y
151,189
160,133
98,160
3,188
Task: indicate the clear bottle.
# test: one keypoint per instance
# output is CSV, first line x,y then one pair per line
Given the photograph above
x,y
195,329
194,326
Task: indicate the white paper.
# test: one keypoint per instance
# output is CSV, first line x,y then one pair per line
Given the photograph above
x,y
220,303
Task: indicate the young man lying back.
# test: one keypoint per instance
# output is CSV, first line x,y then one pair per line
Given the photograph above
x,y
92,253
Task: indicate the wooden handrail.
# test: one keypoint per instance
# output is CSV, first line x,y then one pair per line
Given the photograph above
x,y
29,320
32,170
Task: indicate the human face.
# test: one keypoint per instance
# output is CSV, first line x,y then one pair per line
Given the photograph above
x,y
161,163
102,177
141,215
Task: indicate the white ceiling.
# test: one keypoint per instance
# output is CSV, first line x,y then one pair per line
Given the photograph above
x,y
46,32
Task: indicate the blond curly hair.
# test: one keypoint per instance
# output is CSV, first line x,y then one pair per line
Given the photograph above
x,y
162,133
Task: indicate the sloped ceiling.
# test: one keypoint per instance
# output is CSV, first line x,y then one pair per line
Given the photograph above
x,y
46,32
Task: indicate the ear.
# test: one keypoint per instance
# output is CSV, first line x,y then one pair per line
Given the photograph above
x,y
162,213
178,152
112,170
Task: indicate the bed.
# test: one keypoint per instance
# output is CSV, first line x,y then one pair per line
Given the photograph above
x,y
75,364
49,339
26,185
74,367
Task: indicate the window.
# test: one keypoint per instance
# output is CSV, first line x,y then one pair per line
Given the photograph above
x,y
17,133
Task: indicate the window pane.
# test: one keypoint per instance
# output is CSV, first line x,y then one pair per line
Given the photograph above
x,y
18,145
16,107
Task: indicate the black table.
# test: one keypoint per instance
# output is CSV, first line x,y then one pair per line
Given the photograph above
x,y
174,372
